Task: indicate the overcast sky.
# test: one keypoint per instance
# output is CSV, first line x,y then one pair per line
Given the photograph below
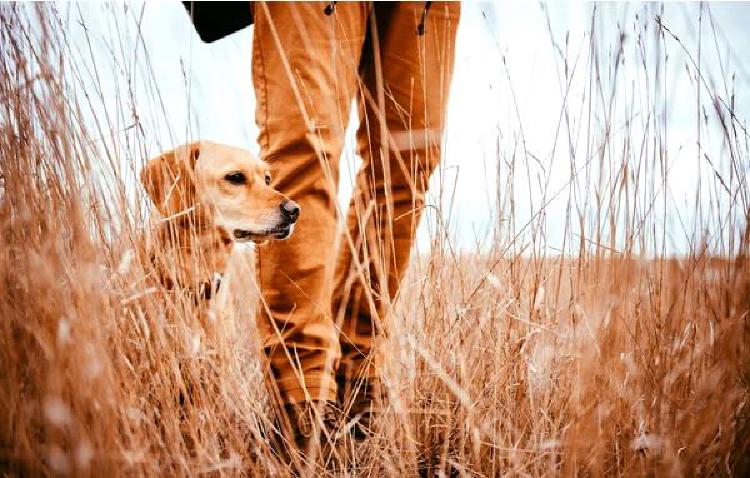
x,y
508,92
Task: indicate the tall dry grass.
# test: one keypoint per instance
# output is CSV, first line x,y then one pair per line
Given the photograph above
x,y
610,358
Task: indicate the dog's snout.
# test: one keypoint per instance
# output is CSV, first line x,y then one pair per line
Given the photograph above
x,y
290,210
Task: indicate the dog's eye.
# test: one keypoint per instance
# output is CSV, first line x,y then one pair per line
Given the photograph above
x,y
236,178
268,179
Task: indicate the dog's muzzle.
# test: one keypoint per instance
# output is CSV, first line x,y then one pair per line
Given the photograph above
x,y
290,212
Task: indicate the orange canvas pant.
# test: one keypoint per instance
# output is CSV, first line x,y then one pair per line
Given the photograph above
x,y
326,290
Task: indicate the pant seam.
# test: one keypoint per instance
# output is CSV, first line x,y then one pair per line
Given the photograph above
x,y
264,135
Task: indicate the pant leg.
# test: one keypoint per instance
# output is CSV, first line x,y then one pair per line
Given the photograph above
x,y
399,139
304,75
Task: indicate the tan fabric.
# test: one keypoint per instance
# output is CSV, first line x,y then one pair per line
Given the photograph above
x,y
308,66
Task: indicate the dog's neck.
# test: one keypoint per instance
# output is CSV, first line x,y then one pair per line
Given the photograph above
x,y
191,256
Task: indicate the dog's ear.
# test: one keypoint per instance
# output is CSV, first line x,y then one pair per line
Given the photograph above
x,y
169,179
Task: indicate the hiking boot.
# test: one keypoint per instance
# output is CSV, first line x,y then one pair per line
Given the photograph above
x,y
362,401
311,428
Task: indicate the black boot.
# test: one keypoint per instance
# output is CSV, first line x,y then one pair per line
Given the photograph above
x,y
309,432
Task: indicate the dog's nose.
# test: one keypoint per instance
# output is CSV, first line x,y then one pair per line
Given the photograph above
x,y
290,210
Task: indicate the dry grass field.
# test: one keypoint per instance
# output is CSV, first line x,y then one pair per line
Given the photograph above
x,y
612,358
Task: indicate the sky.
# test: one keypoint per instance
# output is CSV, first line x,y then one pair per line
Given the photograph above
x,y
509,97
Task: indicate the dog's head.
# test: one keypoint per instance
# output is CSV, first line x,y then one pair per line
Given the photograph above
x,y
222,186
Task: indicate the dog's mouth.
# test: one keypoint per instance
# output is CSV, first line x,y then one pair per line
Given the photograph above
x,y
279,233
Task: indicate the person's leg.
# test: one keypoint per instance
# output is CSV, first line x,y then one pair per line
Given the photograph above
x,y
305,75
403,110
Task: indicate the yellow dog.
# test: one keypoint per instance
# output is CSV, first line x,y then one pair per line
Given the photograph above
x,y
209,196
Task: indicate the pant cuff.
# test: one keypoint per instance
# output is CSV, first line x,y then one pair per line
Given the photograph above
x,y
315,387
